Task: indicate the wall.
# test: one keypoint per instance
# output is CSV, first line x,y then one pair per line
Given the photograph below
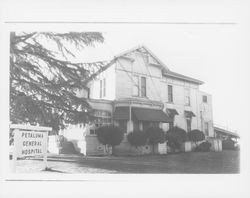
x,y
109,75
137,64
179,102
207,111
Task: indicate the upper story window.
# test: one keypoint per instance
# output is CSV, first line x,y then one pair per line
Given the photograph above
x,y
135,86
102,88
204,99
143,87
170,93
187,96
139,86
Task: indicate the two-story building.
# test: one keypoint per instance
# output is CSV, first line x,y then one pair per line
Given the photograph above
x,y
136,90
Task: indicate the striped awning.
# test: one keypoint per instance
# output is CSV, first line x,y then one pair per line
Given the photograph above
x,y
172,112
142,114
189,114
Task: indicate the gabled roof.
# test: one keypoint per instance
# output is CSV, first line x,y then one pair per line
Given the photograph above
x,y
148,51
166,71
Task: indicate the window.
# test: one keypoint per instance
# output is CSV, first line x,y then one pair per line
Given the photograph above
x,y
143,87
188,120
147,124
171,125
170,93
102,88
123,125
187,97
136,125
101,117
204,99
206,128
135,86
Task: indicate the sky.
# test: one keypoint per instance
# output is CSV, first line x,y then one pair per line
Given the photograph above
x,y
209,53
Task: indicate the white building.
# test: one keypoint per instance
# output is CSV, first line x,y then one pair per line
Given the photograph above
x,y
136,90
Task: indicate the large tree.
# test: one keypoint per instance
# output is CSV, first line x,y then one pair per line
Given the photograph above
x,y
43,81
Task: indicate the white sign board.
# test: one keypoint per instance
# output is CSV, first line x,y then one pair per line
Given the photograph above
x,y
30,141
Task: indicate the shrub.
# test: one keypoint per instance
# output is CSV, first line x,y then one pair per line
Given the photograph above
x,y
137,138
204,147
155,135
228,144
175,137
196,136
109,135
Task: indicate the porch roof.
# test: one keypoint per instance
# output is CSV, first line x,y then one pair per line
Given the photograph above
x,y
142,114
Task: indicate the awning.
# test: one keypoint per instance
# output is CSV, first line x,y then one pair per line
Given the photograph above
x,y
121,113
189,114
172,112
153,115
142,114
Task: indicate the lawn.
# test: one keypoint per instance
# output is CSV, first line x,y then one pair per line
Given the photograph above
x,y
194,162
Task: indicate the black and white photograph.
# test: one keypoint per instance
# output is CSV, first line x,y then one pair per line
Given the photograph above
x,y
143,93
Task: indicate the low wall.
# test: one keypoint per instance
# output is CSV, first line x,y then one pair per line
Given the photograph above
x,y
93,146
216,144
186,146
126,149
53,144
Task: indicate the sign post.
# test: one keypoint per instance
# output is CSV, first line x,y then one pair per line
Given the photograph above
x,y
30,141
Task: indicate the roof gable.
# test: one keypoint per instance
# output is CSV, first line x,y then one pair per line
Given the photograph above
x,y
143,49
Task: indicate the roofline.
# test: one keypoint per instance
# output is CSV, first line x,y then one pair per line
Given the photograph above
x,y
164,67
147,49
184,78
226,132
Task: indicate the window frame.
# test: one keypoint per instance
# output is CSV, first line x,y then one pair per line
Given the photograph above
x,y
189,124
170,94
206,99
136,85
143,87
187,98
100,88
206,128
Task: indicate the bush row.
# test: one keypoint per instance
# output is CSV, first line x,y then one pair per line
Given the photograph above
x,y
111,135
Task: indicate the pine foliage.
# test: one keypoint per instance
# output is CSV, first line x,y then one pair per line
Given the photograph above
x,y
43,82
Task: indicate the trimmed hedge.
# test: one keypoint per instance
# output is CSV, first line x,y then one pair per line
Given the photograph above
x,y
155,135
196,136
175,137
228,144
204,147
109,135
137,138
